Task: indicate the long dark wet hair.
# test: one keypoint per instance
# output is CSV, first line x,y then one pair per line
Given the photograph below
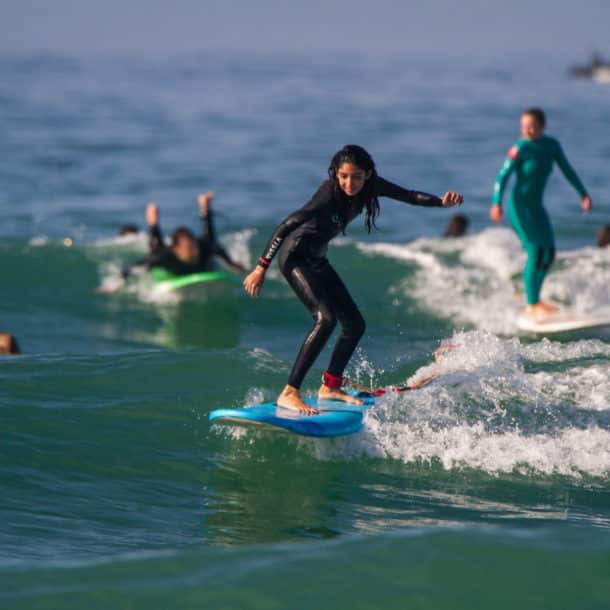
x,y
356,155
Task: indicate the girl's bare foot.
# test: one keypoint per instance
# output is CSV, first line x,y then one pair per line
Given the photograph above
x,y
548,307
326,393
541,309
290,398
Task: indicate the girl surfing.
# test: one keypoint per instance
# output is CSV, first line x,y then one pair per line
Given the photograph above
x,y
352,187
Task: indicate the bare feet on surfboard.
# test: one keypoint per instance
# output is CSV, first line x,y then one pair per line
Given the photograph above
x,y
290,398
541,309
326,393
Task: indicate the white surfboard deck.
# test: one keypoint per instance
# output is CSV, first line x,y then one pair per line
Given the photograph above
x,y
562,321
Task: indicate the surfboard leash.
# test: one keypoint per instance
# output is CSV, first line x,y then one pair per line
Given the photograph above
x,y
402,388
397,389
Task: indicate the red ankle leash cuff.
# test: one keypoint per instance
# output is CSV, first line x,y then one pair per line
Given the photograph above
x,y
331,381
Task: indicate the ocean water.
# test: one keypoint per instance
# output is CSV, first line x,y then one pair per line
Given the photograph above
x,y
489,487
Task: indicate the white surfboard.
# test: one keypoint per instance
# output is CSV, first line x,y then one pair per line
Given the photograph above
x,y
562,321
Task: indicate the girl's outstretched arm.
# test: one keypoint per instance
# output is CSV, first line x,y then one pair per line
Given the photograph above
x,y
385,188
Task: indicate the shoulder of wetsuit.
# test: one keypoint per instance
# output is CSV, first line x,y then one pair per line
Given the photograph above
x,y
159,256
321,198
549,140
379,181
513,151
381,185
325,190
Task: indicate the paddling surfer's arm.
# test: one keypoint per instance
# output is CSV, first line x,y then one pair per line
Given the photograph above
x,y
222,253
155,241
209,232
205,214
254,281
159,254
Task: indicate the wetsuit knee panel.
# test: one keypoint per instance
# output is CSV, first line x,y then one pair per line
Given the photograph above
x,y
324,319
545,258
357,326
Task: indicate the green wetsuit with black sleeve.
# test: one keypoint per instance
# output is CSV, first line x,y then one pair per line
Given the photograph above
x,y
532,162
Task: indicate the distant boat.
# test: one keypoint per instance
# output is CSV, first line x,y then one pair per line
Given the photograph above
x,y
598,70
602,74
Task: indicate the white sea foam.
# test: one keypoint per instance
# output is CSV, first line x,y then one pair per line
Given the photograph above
x,y
140,285
238,246
138,242
493,409
476,280
39,240
551,351
582,279
570,452
265,361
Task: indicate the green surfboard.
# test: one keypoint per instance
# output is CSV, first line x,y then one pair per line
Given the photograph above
x,y
169,281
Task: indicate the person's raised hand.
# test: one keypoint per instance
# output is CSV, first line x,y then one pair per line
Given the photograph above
x,y
152,214
587,204
204,200
451,198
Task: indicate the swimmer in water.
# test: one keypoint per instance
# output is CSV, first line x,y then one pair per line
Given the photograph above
x,y
457,226
352,187
8,344
532,159
128,229
603,237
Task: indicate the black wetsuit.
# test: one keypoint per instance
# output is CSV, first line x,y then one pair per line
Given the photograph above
x,y
163,256
305,235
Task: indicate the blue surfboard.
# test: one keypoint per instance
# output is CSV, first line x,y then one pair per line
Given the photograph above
x,y
336,418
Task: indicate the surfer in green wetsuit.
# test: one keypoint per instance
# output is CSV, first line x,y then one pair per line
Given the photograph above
x,y
532,159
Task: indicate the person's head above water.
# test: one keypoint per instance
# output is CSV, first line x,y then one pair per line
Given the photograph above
x,y
8,344
603,237
457,226
352,172
128,229
184,245
533,123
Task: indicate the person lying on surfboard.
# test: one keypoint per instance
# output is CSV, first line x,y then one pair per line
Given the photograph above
x,y
532,159
187,254
352,187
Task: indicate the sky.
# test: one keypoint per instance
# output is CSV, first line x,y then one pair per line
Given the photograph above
x,y
562,28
